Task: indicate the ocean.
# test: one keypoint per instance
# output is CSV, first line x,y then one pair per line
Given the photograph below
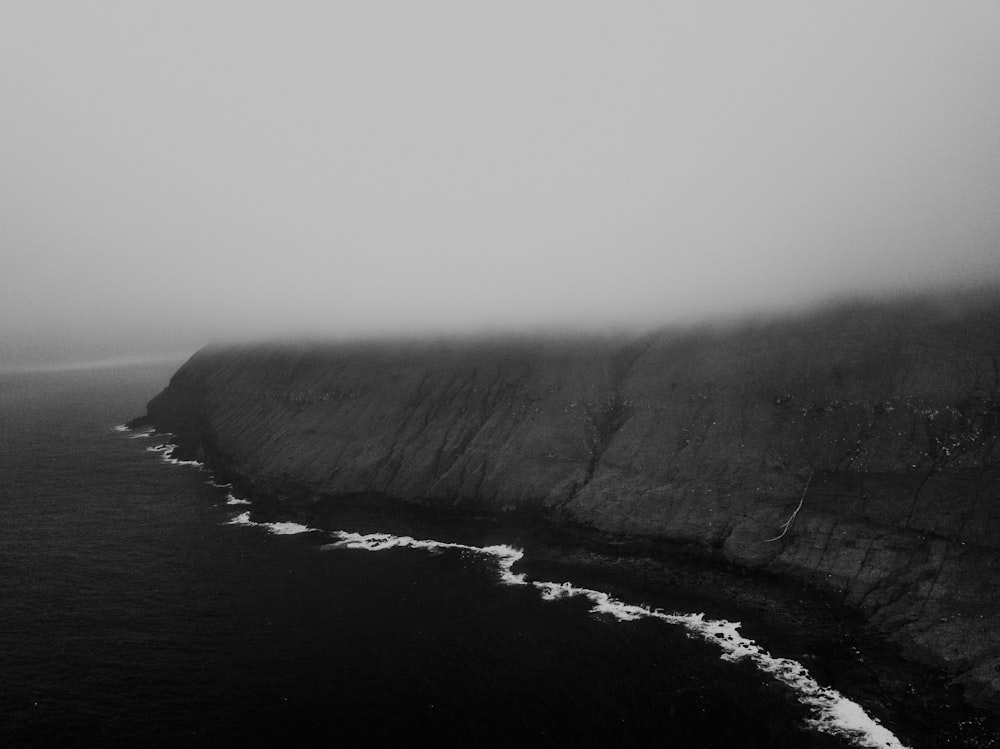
x,y
143,603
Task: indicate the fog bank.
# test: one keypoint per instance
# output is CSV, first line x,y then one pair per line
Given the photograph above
x,y
173,175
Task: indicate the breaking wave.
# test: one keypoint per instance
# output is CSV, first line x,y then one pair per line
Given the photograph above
x,y
505,556
166,451
279,529
135,433
832,712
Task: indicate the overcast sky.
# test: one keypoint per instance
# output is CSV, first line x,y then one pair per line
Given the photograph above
x,y
175,172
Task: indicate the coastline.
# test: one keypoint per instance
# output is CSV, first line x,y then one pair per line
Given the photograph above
x,y
780,616
855,453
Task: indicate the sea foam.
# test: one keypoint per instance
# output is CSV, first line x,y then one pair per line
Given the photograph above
x,y
166,451
135,434
832,712
505,556
279,529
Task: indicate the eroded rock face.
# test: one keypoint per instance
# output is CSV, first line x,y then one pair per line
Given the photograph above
x,y
878,424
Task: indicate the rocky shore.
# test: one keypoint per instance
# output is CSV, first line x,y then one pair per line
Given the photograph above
x,y
854,449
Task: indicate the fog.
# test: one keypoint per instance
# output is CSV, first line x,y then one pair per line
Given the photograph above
x,y
176,173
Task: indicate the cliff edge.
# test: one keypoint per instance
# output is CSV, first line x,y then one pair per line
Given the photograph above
x,y
854,448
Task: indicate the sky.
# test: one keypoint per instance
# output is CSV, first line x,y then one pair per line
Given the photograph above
x,y
177,173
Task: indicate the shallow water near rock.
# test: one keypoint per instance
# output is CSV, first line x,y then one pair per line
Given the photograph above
x,y
135,612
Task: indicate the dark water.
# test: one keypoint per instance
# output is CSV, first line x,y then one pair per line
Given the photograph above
x,y
132,614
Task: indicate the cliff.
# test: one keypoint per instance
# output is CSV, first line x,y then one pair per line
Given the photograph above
x,y
874,428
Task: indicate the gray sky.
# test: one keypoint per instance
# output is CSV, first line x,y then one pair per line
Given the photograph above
x,y
178,171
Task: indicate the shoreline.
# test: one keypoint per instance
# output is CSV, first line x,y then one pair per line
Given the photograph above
x,y
874,428
787,618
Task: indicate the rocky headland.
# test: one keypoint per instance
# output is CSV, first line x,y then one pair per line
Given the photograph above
x,y
854,448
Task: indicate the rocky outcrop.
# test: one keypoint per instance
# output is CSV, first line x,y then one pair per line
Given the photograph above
x,y
855,449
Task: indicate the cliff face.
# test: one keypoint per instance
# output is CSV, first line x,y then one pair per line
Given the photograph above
x,y
879,424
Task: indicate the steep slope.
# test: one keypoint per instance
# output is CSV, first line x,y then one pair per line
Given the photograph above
x,y
872,429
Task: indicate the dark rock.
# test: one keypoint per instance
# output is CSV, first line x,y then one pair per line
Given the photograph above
x,y
876,426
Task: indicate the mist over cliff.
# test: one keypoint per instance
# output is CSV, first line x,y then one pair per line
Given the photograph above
x,y
854,448
178,175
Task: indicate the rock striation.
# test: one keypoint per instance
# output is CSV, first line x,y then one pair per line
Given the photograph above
x,y
854,448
